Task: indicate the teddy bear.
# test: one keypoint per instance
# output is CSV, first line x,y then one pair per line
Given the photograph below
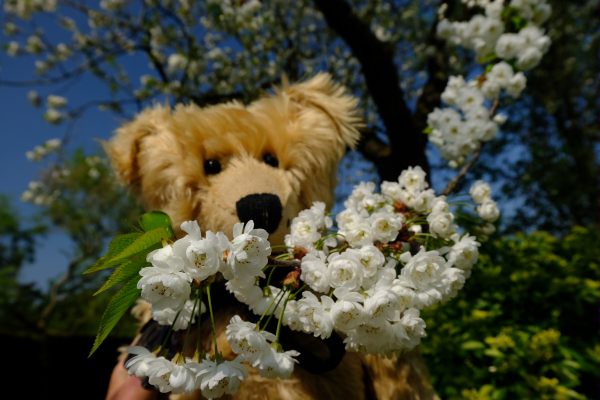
x,y
264,162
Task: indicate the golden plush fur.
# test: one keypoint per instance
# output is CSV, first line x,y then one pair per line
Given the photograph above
x,y
307,126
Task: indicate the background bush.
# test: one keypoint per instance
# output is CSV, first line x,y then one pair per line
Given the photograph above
x,y
526,324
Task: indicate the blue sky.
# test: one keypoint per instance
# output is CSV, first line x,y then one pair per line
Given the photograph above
x,y
23,128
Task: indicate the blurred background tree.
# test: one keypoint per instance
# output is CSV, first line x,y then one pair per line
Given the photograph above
x,y
546,162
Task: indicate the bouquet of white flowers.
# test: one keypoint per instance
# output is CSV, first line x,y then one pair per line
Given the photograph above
x,y
393,254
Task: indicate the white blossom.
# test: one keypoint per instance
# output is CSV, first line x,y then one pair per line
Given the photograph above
x,y
159,374
414,327
202,258
56,101
369,290
12,49
176,62
314,314
488,210
307,227
345,270
385,226
516,85
274,364
217,379
249,252
425,271
179,318
314,271
371,259
347,312
480,191
54,116
463,253
441,224
182,379
246,340
163,284
413,178
382,304
139,363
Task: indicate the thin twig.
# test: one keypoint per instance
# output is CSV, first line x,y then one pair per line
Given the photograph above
x,y
463,171
451,186
55,289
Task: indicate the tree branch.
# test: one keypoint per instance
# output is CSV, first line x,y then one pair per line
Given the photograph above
x,y
55,289
407,143
373,148
451,186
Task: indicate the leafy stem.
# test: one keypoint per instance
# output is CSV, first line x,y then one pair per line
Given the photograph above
x,y
212,322
288,297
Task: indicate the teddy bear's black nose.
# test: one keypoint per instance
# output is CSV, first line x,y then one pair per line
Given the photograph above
x,y
262,208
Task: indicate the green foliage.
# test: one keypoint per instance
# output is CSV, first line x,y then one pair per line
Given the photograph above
x,y
123,272
155,219
128,253
18,302
16,243
118,305
79,196
116,246
525,326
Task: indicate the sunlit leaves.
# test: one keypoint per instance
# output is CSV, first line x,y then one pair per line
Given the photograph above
x,y
128,253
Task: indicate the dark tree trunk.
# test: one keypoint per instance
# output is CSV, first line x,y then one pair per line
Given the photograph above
x,y
406,141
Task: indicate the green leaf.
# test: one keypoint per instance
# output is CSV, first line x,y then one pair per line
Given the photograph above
x,y
493,353
488,58
124,272
116,246
144,242
154,219
147,241
518,22
117,306
428,130
472,345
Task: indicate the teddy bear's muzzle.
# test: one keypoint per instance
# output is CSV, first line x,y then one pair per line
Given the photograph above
x,y
262,208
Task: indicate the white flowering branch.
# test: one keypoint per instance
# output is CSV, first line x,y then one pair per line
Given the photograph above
x,y
507,40
393,254
452,185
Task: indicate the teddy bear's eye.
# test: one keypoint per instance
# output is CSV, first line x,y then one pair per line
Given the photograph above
x,y
271,160
212,167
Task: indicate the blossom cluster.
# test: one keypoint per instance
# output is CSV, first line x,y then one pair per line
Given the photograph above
x,y
39,152
171,285
485,33
394,253
56,183
470,118
24,8
38,194
487,209
212,378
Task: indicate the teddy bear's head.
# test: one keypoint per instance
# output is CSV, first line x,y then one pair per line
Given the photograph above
x,y
228,163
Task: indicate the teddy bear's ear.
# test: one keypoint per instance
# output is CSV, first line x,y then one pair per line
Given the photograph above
x,y
321,94
123,149
311,124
